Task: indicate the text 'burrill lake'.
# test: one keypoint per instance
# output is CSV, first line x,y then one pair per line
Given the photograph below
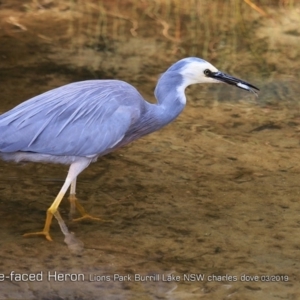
x,y
75,277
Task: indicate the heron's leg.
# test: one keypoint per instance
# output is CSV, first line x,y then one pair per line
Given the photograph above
x,y
76,167
72,199
82,211
74,203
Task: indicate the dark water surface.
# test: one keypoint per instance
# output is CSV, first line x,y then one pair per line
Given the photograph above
x,y
216,193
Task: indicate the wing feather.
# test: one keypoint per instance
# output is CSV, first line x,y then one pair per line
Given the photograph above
x,y
83,118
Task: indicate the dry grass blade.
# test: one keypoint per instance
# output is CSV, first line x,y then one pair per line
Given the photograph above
x,y
255,7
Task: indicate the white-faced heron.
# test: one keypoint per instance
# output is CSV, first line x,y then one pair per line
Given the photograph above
x,y
78,122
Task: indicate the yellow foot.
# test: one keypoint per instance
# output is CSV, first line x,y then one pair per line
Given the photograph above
x,y
89,217
84,215
44,233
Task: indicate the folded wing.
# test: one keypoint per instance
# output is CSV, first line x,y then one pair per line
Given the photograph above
x,y
81,119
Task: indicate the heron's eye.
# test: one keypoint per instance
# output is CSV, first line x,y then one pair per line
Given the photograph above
x,y
207,72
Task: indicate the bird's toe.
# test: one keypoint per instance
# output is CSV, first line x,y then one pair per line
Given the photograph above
x,y
42,233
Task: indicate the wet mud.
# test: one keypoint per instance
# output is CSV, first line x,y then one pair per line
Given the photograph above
x,y
215,193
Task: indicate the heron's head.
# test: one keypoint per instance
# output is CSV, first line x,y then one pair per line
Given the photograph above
x,y
197,70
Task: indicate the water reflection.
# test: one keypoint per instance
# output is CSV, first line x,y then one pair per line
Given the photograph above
x,y
216,192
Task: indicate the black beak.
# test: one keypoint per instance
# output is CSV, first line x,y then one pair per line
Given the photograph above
x,y
232,81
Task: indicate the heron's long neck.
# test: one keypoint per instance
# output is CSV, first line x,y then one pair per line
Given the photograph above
x,y
170,96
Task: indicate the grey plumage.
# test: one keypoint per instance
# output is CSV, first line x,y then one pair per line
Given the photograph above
x,y
77,119
76,123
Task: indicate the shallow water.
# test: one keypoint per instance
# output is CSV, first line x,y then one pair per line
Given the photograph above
x,y
215,193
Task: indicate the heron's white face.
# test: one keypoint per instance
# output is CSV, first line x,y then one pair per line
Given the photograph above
x,y
193,72
196,70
